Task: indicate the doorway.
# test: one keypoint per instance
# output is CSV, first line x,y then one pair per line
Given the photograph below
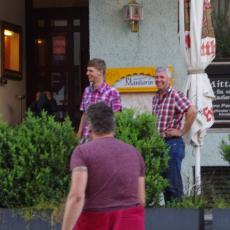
x,y
57,56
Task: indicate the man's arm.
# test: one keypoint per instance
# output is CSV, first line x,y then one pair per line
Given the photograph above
x,y
51,102
80,129
141,190
76,197
190,116
116,101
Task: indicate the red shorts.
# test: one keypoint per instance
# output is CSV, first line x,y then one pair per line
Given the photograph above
x,y
123,219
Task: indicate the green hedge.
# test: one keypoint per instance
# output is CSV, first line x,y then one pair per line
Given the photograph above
x,y
34,161
139,129
34,158
225,149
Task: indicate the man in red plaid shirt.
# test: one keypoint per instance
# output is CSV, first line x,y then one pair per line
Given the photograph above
x,y
171,106
97,91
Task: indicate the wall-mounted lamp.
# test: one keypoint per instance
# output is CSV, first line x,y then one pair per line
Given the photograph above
x,y
133,13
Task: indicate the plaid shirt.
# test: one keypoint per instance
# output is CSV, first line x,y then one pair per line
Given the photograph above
x,y
170,109
104,93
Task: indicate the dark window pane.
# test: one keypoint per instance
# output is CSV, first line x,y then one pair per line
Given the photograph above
x,y
59,49
76,39
59,85
77,87
221,19
41,23
59,23
41,51
76,22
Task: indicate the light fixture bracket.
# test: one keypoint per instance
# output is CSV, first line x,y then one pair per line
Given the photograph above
x,y
133,13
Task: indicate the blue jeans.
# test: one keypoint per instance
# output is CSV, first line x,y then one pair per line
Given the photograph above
x,y
173,173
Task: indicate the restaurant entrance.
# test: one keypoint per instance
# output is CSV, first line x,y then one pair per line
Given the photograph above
x,y
57,55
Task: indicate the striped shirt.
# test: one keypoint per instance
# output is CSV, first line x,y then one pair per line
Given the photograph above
x,y
170,109
104,93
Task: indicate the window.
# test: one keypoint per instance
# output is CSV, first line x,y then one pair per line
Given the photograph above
x,y
221,21
219,70
11,66
215,182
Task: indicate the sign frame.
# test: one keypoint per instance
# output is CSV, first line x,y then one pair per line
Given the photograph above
x,y
115,75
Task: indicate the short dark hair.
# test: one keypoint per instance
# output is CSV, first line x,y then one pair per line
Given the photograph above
x,y
101,118
98,63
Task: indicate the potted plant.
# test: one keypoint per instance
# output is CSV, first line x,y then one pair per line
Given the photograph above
x,y
34,176
34,157
221,210
139,129
225,149
34,172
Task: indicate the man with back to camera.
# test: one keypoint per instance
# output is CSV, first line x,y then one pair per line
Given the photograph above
x,y
108,185
97,91
170,106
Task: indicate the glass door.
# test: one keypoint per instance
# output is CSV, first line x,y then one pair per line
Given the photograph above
x,y
59,55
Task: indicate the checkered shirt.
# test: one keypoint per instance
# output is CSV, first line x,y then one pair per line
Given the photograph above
x,y
170,109
104,93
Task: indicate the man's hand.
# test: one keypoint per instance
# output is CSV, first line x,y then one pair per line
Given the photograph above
x,y
170,132
80,129
38,95
48,95
190,116
78,134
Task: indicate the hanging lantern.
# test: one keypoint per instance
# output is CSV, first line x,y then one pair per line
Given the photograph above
x,y
133,13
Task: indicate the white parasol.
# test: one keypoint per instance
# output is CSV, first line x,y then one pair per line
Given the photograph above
x,y
197,42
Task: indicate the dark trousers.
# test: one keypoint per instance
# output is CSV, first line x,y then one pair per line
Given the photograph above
x,y
173,173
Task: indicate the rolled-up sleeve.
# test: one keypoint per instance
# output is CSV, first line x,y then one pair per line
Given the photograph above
x,y
83,105
115,100
182,102
77,158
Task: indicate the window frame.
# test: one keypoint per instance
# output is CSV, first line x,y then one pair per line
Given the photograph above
x,y
5,72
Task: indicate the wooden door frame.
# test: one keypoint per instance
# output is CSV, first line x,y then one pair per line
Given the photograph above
x,y
31,14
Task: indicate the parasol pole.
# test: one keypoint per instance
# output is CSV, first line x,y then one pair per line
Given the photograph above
x,y
197,170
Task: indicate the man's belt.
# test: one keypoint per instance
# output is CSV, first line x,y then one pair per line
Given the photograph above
x,y
170,138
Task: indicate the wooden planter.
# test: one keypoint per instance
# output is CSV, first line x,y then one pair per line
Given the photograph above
x,y
173,219
12,219
221,219
155,218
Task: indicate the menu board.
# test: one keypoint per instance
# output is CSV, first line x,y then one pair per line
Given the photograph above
x,y
221,104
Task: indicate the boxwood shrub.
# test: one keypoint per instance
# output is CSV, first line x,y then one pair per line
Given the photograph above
x,y
225,149
139,129
34,158
34,161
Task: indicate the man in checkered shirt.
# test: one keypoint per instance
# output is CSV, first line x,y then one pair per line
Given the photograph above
x,y
170,107
97,91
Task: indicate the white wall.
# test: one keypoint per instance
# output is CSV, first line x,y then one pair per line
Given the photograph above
x,y
13,12
111,39
155,44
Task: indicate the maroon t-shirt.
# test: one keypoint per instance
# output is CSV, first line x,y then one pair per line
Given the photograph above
x,y
113,171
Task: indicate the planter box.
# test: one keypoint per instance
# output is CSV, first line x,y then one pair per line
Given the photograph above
x,y
155,218
173,218
221,219
12,219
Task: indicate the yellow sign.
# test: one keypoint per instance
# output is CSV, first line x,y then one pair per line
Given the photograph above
x,y
133,79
